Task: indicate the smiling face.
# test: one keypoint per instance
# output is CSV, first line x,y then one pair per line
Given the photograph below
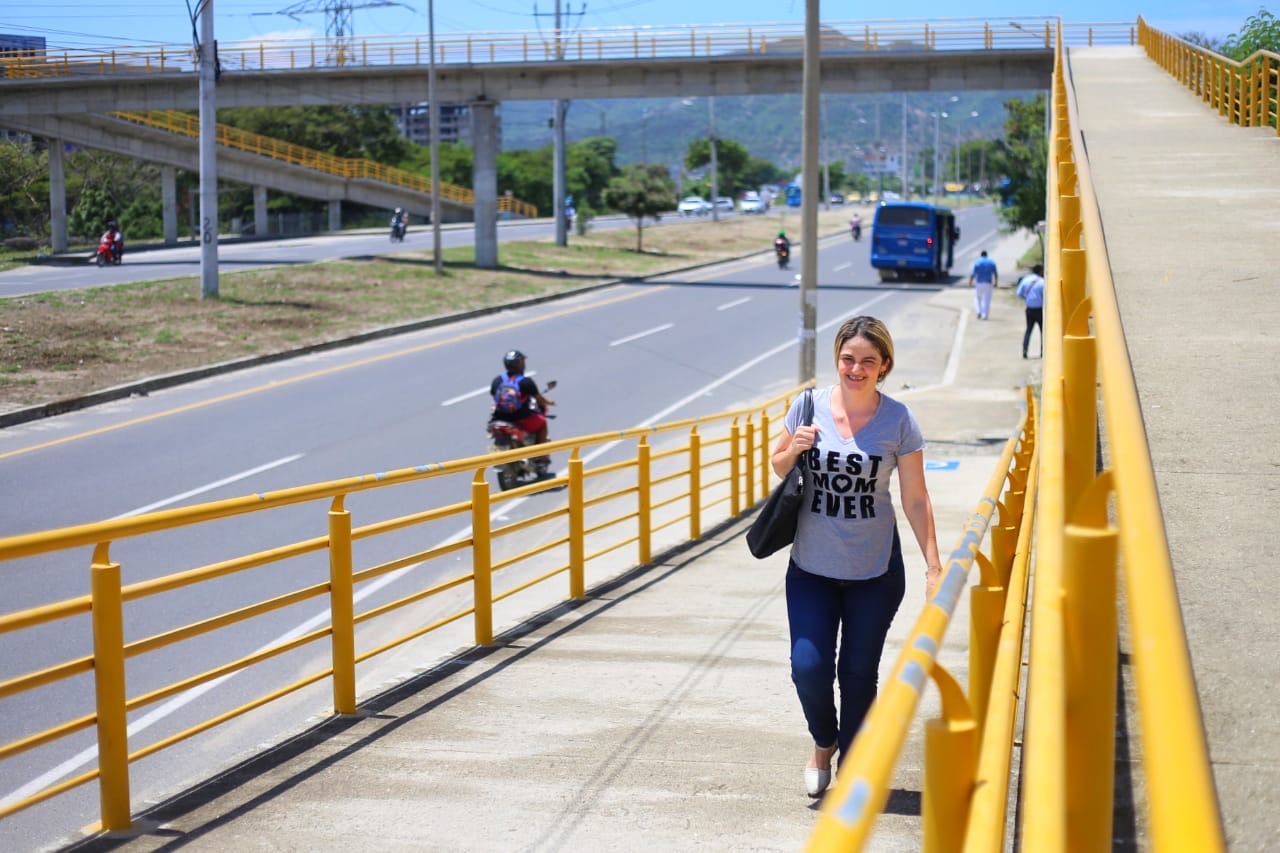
x,y
864,353
861,365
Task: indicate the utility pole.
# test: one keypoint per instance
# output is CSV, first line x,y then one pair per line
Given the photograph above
x,y
715,163
208,144
433,138
809,198
558,149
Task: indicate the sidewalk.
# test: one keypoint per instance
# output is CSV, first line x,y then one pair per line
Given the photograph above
x,y
658,713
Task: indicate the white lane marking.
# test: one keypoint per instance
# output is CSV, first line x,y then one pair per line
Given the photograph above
x,y
844,266
209,487
476,393
734,304
174,704
643,334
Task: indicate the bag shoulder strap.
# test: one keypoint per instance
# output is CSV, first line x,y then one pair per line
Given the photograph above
x,y
806,408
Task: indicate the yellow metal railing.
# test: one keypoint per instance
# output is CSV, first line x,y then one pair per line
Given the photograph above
x,y
1087,525
186,124
1070,728
708,468
1246,93
600,44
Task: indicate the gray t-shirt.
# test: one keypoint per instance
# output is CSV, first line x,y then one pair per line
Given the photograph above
x,y
846,525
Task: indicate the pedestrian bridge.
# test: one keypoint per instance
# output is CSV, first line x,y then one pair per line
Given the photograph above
x,y
652,708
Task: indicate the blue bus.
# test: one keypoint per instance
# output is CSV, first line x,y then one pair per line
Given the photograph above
x,y
913,240
793,195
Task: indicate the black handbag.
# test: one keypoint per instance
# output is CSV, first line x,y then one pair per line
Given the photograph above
x,y
775,526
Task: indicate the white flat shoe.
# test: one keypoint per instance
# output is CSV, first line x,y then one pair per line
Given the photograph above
x,y
816,781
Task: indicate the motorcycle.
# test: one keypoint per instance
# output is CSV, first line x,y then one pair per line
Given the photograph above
x,y
783,251
108,253
856,227
504,435
397,230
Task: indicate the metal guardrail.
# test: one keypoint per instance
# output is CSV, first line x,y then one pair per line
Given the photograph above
x,y
586,45
714,463
1087,525
186,124
1091,525
1246,93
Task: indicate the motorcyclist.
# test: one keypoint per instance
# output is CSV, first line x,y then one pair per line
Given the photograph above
x,y
529,416
399,222
855,225
114,238
781,245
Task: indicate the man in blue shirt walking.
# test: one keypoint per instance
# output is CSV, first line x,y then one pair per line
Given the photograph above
x,y
1031,291
986,277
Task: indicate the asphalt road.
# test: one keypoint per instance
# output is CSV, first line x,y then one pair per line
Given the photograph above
x,y
674,347
68,272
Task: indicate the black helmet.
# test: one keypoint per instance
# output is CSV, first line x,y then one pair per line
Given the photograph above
x,y
111,223
513,359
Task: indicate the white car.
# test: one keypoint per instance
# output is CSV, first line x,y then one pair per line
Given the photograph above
x,y
753,203
725,203
694,205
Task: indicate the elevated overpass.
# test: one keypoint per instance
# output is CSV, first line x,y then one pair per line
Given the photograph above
x,y
55,94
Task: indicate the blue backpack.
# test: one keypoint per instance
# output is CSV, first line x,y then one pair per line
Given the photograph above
x,y
507,399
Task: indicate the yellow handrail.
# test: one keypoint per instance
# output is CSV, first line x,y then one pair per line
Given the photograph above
x,y
186,124
1246,92
714,466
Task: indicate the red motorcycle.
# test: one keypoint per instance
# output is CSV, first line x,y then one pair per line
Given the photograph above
x,y
109,252
504,435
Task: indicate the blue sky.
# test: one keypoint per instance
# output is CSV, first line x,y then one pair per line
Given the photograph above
x,y
80,23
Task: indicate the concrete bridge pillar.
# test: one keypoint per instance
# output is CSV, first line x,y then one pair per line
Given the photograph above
x,y
335,214
57,197
169,204
260,211
484,181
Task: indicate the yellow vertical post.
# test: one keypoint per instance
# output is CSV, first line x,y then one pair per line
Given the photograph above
x,y
735,466
765,467
109,690
748,463
481,559
695,484
986,615
644,499
342,609
950,763
1080,399
577,527
1072,264
1089,581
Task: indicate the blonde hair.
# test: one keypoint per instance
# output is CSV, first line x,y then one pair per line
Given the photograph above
x,y
871,330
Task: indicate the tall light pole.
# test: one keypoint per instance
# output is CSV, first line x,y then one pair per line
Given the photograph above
x,y
809,197
558,150
208,145
715,163
433,137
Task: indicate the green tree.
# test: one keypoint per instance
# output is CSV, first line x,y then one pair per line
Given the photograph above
x,y
1021,158
368,132
643,189
457,163
1260,32
24,189
731,160
757,172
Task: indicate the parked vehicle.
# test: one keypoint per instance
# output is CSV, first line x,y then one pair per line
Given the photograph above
x,y
837,198
694,205
724,203
752,203
913,240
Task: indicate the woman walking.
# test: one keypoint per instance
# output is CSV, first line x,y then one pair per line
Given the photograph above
x,y
845,579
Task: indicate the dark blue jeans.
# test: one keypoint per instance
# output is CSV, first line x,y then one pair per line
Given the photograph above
x,y
858,613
